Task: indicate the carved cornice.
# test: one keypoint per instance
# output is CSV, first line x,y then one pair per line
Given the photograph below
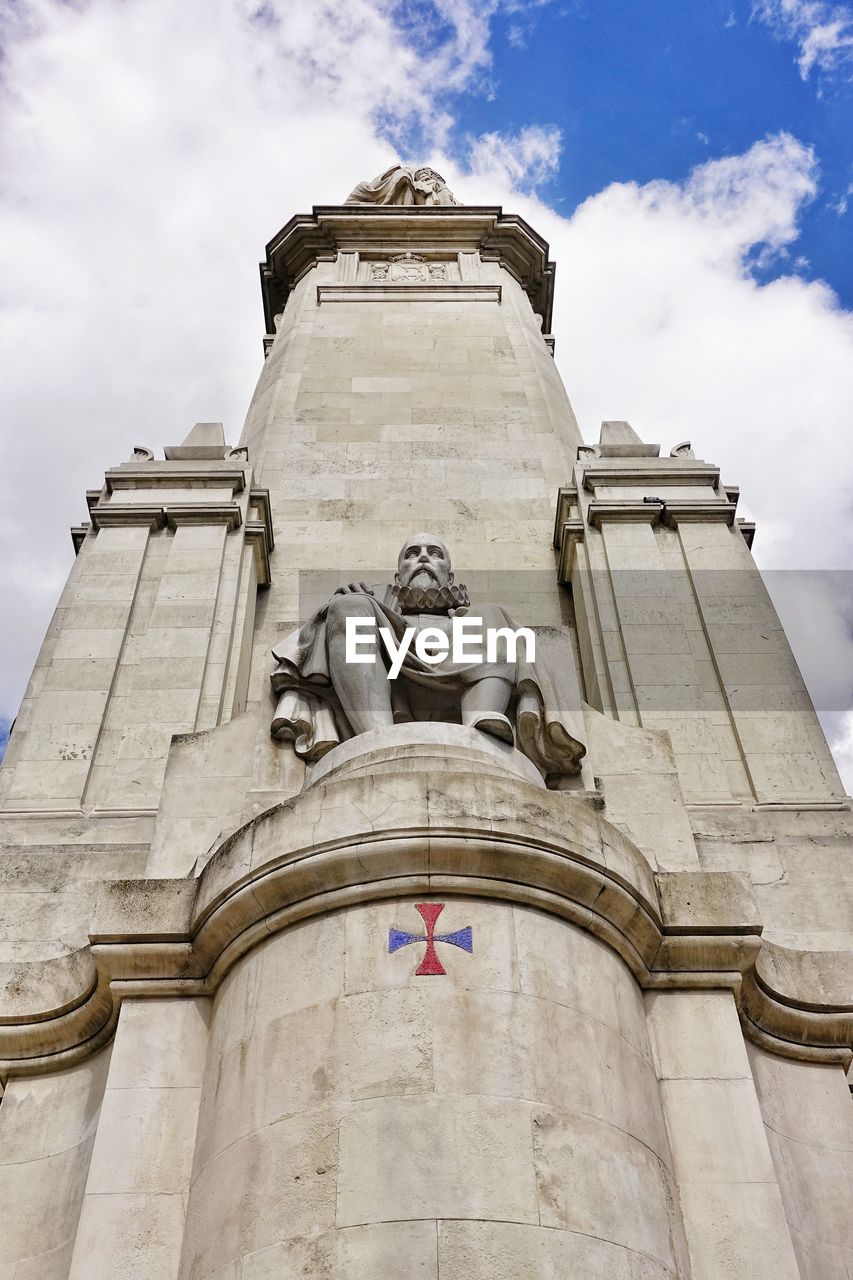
x,y
571,535
747,528
78,536
204,513
680,510
567,497
318,237
172,475
111,514
342,844
660,471
631,510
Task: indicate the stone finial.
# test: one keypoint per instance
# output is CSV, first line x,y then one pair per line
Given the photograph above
x,y
620,440
682,450
206,441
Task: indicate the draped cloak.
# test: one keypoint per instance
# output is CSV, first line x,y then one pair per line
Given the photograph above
x,y
397,185
545,706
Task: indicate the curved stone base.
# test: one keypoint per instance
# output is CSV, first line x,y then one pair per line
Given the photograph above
x,y
423,745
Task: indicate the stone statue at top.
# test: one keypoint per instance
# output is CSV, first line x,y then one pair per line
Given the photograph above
x,y
524,695
403,184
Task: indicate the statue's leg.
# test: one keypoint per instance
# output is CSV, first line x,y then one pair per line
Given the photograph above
x,y
484,707
363,689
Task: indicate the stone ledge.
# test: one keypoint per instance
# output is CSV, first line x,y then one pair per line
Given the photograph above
x,y
204,513
409,293
424,745
663,471
628,510
686,509
122,514
567,497
404,833
713,902
172,474
572,533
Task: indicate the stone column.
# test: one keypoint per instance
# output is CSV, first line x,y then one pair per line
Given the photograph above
x,y
777,729
132,1219
730,1199
51,752
809,1123
498,1121
47,1127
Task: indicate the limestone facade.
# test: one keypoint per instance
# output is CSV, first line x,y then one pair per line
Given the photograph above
x,y
220,1060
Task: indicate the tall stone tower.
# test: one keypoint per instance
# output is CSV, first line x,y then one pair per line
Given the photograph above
x,y
533,967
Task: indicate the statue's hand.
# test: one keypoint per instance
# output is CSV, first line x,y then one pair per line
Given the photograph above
x,y
354,588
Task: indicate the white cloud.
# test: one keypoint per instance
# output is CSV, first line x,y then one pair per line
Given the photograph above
x,y
152,149
659,320
822,32
842,746
519,161
841,203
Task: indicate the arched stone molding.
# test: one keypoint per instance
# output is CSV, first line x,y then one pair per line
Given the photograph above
x,y
426,831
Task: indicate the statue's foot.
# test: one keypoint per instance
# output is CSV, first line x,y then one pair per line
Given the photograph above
x,y
495,723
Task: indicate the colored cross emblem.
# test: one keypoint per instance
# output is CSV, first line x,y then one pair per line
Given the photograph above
x,y
429,913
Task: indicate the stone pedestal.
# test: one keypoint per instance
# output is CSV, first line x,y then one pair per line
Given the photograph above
x,y
420,747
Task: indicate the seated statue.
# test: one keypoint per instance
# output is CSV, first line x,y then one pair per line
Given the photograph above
x,y
326,694
402,184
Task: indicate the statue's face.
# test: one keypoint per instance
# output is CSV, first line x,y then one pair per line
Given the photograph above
x,y
424,561
428,175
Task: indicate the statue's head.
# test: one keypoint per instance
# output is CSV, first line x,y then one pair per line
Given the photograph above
x,y
424,562
425,174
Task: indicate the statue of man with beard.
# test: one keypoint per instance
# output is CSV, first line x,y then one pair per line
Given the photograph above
x,y
324,697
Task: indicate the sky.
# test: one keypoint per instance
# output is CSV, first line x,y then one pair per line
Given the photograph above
x,y
689,161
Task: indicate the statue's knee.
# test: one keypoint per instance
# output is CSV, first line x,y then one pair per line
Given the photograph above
x,y
347,606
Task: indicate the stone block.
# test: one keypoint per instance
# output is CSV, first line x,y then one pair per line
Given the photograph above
x,y
696,1035
510,1251
737,1231
262,1190
403,1158
716,1132
162,1044
359,1253
503,1044
137,1237
597,1181
721,901
145,1142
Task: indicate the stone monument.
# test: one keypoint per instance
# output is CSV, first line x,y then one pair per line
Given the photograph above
x,y
507,966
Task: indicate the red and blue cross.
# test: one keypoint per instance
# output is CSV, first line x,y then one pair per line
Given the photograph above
x,y
429,913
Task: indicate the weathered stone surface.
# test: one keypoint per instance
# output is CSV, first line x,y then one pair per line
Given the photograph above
x,y
809,1121
132,1221
47,1128
724,1171
286,1095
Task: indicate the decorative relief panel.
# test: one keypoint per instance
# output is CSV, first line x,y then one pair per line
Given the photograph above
x,y
409,268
